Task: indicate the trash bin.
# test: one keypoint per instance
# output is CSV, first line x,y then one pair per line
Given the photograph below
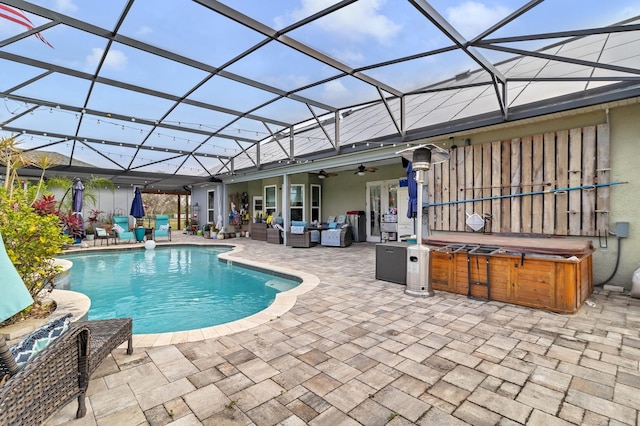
x,y
356,218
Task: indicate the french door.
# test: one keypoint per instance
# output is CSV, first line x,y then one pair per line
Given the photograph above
x,y
382,203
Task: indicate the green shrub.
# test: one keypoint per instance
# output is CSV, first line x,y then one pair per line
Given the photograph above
x,y
31,238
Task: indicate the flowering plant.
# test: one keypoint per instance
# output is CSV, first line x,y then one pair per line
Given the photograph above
x,y
236,221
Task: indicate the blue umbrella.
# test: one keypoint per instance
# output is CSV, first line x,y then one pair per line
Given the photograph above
x,y
412,187
78,193
137,208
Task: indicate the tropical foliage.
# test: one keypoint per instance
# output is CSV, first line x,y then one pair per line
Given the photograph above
x,y
30,222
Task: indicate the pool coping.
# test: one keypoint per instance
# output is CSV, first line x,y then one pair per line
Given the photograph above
x,y
74,302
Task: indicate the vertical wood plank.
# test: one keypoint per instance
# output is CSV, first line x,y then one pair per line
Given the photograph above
x,y
562,181
430,184
526,169
478,182
486,182
445,196
505,203
436,221
548,220
496,185
575,171
516,202
453,188
461,193
536,176
588,178
603,174
468,184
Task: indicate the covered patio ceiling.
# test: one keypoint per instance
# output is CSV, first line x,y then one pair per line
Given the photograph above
x,y
172,93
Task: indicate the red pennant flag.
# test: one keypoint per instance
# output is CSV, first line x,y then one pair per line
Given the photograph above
x,y
18,17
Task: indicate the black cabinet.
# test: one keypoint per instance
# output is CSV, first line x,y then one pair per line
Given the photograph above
x,y
391,262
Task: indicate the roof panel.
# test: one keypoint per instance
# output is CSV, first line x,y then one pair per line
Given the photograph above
x,y
260,64
369,32
72,48
279,66
200,30
231,94
112,100
342,92
144,69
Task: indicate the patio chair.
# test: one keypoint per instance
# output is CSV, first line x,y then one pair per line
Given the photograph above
x,y
59,373
103,235
122,230
162,228
339,234
300,236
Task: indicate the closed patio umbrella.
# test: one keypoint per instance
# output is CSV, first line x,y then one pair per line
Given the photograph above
x,y
137,208
412,188
78,194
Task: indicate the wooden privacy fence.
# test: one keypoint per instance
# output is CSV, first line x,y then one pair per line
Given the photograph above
x,y
517,182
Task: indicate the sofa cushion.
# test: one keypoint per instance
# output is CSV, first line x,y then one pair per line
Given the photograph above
x,y
38,340
297,229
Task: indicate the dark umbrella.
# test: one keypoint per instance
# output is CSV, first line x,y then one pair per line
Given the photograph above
x,y
78,192
412,187
137,208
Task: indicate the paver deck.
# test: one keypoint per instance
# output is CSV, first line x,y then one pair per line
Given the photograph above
x,y
355,350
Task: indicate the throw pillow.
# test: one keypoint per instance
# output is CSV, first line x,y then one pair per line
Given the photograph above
x,y
119,229
101,232
39,339
297,229
333,225
163,228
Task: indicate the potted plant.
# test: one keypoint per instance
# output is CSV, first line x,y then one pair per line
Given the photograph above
x,y
206,231
94,217
90,232
71,225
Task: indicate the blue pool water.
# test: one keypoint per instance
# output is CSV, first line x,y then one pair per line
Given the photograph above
x,y
171,288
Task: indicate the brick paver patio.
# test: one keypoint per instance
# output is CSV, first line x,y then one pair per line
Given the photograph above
x,y
355,350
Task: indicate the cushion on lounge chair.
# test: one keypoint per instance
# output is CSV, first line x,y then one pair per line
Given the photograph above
x,y
37,340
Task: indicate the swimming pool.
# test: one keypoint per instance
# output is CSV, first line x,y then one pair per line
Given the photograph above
x,y
172,288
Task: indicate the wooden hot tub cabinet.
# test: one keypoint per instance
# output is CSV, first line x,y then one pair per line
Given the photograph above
x,y
547,273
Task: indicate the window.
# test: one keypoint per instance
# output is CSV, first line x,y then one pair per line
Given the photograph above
x,y
270,199
211,203
296,202
316,203
257,207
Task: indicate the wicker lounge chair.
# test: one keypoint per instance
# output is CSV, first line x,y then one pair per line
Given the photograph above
x,y
59,373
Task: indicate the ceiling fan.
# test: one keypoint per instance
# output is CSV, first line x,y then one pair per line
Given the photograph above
x,y
362,169
322,174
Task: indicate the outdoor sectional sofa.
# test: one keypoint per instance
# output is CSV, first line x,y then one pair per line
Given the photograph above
x,y
60,373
